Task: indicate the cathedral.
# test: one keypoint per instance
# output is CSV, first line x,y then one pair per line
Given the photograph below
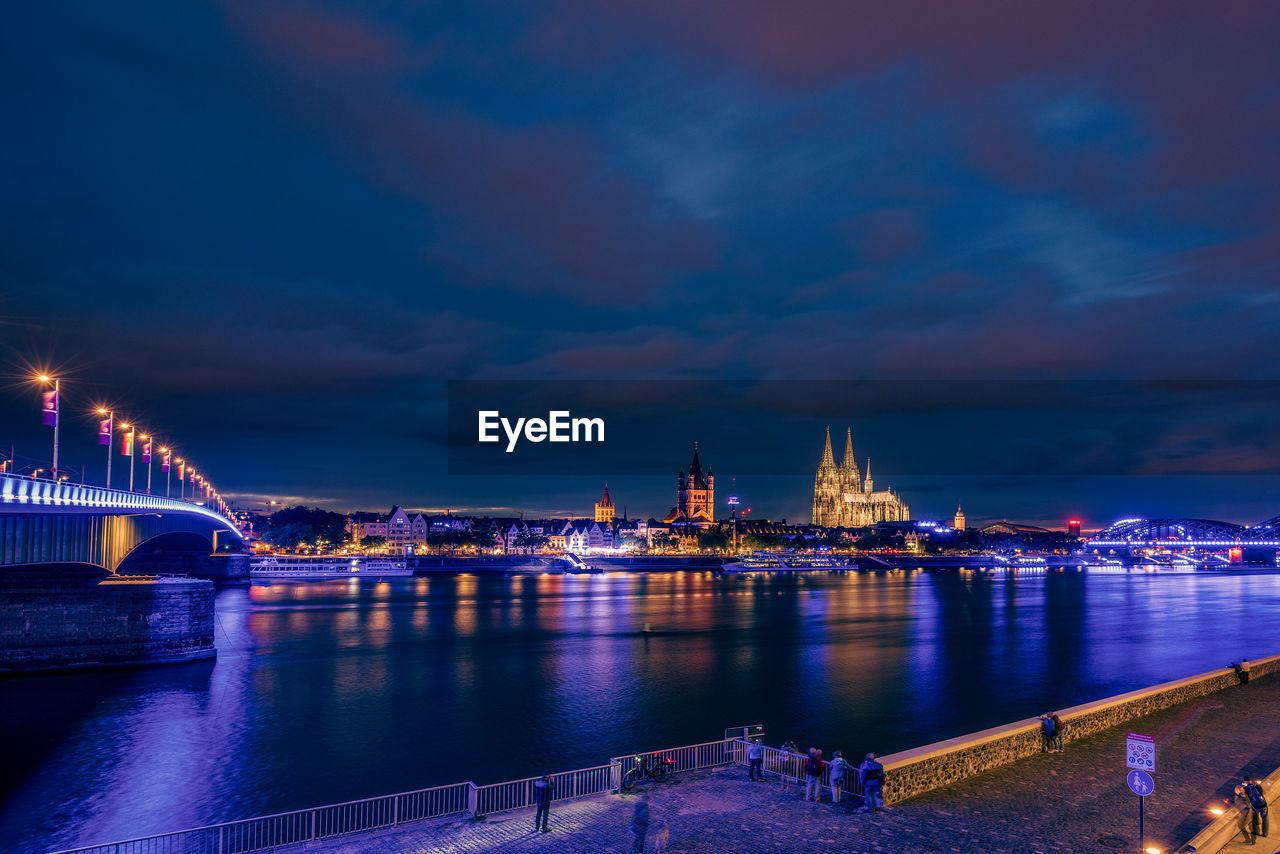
x,y
843,499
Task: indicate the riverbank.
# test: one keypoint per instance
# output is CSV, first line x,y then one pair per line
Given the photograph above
x,y
1076,802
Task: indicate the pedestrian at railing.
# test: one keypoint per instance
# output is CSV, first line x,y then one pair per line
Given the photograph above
x,y
813,775
871,778
838,770
755,757
543,792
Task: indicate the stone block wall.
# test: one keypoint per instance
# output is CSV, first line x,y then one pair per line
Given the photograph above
x,y
922,769
52,623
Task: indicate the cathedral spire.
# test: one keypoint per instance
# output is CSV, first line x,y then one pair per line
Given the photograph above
x,y
867,482
828,459
849,466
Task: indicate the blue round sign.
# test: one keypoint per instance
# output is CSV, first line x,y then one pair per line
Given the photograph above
x,y
1140,782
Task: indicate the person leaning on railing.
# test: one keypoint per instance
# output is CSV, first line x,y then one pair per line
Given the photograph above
x,y
871,777
839,771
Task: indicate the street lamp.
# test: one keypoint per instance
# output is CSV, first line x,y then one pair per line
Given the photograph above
x,y
51,414
168,476
182,479
106,429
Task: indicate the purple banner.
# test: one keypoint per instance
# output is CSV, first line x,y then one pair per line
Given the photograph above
x,y
104,431
50,408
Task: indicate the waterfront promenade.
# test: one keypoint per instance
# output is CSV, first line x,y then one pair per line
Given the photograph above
x,y
1074,802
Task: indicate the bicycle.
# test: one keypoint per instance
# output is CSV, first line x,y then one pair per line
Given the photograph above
x,y
653,766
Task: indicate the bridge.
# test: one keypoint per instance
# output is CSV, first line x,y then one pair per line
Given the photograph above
x,y
44,522
1186,533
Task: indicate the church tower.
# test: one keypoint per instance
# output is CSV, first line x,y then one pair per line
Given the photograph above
x,y
604,507
828,489
958,522
695,494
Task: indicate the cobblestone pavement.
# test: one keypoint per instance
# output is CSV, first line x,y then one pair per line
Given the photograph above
x,y
1074,802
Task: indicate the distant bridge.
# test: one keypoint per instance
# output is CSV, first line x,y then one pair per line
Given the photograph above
x,y
47,522
1182,533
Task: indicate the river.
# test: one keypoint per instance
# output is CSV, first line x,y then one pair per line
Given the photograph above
x,y
329,691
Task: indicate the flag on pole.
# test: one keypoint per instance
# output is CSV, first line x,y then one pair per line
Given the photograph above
x,y
146,452
104,431
182,472
126,444
164,464
50,407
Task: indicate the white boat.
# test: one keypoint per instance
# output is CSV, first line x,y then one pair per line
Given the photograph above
x,y
574,565
305,567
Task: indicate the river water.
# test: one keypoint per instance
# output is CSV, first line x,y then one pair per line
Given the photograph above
x,y
327,692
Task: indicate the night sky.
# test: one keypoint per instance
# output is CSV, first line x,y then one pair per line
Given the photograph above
x,y
272,232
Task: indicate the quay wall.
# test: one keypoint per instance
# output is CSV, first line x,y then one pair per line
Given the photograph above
x,y
64,622
933,766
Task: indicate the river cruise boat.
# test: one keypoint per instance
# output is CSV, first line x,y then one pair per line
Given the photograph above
x,y
779,562
321,568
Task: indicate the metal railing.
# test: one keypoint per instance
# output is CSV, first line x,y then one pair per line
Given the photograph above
x,y
790,768
30,491
459,799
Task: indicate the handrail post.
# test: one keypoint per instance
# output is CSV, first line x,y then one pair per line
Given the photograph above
x,y
313,825
473,799
395,810
220,829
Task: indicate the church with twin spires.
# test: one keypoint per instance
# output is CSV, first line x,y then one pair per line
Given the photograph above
x,y
842,498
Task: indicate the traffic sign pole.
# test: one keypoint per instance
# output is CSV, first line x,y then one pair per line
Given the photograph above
x,y
1141,834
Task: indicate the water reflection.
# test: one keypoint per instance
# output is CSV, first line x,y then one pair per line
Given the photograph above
x,y
331,691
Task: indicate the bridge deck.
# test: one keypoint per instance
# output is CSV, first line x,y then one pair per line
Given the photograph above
x,y
1074,802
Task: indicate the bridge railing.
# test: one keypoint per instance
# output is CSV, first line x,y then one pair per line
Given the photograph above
x,y
29,491
265,833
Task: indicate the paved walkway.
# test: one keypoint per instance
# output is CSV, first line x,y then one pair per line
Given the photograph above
x,y
1073,803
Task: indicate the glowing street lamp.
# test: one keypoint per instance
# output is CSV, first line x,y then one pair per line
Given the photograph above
x,y
182,480
168,475
51,414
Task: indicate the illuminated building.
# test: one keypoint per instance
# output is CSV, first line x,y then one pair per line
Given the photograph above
x,y
604,507
958,522
695,496
842,498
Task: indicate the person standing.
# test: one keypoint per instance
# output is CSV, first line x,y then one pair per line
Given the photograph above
x,y
755,756
839,768
871,776
1241,802
1057,731
813,775
1046,726
543,790
1257,807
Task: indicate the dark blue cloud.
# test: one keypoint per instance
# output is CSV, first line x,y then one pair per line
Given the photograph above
x,y
281,228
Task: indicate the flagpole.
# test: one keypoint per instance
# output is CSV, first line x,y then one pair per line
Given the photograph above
x,y
147,454
58,407
132,430
110,438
